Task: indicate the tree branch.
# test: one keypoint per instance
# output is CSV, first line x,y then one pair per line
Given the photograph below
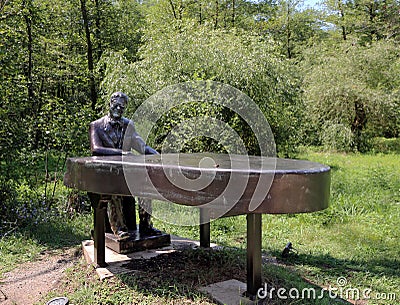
x,y
3,4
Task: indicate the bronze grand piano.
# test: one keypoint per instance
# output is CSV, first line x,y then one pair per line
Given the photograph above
x,y
256,185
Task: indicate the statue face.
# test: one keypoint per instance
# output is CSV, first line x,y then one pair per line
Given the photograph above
x,y
117,108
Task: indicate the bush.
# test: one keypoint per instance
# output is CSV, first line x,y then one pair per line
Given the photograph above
x,y
31,192
383,145
336,137
353,86
22,206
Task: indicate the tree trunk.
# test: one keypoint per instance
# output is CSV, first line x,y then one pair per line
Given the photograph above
x,y
98,32
200,13
29,67
173,9
359,122
233,13
341,10
216,14
288,31
33,105
92,82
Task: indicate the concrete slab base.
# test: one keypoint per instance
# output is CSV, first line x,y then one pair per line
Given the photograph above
x,y
116,261
228,293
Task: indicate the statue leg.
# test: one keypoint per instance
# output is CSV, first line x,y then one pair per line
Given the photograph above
x,y
129,212
145,225
116,217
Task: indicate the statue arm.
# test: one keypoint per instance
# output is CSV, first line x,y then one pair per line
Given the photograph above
x,y
96,145
137,143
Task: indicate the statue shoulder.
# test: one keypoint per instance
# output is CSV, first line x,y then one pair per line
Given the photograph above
x,y
127,121
99,122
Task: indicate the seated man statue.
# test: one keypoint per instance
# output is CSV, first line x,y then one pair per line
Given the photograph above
x,y
106,138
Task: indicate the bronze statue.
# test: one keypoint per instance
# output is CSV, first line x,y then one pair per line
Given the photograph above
x,y
106,138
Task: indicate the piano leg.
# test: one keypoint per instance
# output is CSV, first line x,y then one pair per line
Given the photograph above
x,y
100,210
253,254
204,228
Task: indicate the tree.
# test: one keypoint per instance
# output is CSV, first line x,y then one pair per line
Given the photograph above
x,y
122,27
216,14
48,59
41,73
239,59
292,28
90,60
364,21
352,90
13,83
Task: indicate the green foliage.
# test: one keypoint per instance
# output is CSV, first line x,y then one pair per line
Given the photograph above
x,y
355,87
383,145
117,26
51,125
363,21
220,14
40,88
292,28
45,89
31,192
44,82
27,244
336,137
239,59
16,249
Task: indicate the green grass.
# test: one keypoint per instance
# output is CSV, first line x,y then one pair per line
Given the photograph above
x,y
356,238
28,243
17,249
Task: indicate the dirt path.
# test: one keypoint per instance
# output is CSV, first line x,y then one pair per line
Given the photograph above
x,y
31,281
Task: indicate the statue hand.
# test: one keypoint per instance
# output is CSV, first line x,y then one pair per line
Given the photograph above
x,y
150,151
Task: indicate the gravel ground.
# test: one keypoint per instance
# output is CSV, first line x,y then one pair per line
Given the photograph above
x,y
29,282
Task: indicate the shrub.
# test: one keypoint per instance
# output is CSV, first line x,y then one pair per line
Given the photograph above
x,y
383,145
336,137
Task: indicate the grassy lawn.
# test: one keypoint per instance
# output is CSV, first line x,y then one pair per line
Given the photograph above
x,y
350,247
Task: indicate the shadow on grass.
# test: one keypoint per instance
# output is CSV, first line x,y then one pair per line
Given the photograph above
x,y
346,268
180,274
57,234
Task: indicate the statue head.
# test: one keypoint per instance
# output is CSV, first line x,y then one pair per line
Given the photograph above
x,y
118,102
